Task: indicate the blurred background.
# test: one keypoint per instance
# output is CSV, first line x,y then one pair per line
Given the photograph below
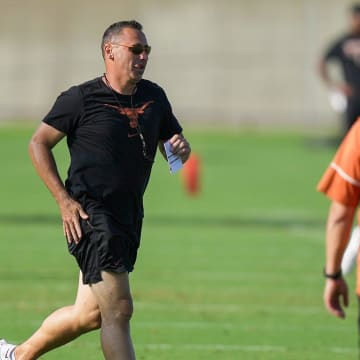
x,y
233,61
234,269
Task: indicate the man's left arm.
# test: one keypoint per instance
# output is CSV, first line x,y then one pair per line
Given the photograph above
x,y
179,146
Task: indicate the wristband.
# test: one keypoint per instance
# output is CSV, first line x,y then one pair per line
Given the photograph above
x,y
333,276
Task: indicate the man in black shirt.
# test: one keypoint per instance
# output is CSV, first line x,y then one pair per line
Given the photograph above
x,y
346,51
113,125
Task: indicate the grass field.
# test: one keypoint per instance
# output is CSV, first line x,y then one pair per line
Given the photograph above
x,y
235,273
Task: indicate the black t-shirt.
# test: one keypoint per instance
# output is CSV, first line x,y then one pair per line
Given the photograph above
x,y
346,50
107,161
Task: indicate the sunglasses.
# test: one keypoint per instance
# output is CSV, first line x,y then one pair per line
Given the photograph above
x,y
137,49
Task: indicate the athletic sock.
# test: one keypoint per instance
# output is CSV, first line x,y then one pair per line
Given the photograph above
x,y
7,351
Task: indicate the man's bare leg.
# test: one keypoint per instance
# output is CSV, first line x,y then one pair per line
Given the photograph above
x,y
63,325
115,302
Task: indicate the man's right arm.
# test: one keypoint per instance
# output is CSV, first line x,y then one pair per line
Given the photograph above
x,y
40,150
324,74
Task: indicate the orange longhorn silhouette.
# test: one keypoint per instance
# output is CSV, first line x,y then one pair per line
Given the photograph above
x,y
131,113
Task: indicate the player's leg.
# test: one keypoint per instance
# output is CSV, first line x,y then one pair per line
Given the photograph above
x,y
63,325
116,307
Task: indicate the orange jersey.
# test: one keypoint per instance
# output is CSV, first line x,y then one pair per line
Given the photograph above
x,y
341,180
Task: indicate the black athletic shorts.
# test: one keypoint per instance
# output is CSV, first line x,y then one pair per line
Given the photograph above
x,y
106,245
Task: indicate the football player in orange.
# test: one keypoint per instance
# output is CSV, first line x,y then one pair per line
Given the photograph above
x,y
341,184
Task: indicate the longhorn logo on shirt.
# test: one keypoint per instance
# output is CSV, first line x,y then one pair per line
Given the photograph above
x,y
131,113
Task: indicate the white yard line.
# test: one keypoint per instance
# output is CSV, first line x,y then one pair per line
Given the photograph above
x,y
212,347
235,348
342,350
184,324
241,326
228,308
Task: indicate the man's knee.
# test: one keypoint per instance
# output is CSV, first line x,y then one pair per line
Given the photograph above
x,y
121,312
114,298
126,308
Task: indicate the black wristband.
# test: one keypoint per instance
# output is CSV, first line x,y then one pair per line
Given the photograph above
x,y
334,276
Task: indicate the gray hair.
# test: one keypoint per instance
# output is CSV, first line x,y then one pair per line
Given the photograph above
x,y
116,28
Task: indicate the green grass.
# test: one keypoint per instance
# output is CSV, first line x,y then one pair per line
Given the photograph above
x,y
234,273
